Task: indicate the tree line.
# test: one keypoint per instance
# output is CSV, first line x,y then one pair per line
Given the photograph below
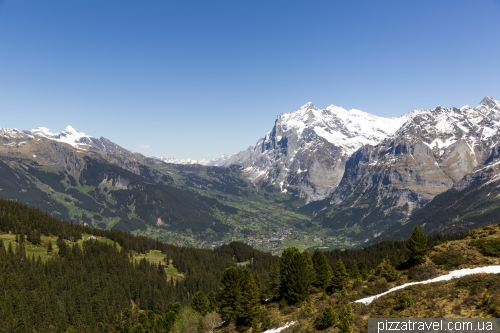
x,y
98,288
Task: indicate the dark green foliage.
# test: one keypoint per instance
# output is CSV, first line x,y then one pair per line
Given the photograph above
x,y
489,247
265,320
212,299
369,257
96,283
376,287
295,278
416,246
421,272
239,301
273,280
54,180
326,319
340,278
403,300
34,237
14,179
49,247
83,200
129,225
180,209
387,270
449,259
346,316
200,303
322,268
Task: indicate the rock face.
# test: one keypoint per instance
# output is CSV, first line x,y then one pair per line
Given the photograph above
x,y
471,202
66,149
307,149
428,155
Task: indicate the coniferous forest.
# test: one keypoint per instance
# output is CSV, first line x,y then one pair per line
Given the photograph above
x,y
85,285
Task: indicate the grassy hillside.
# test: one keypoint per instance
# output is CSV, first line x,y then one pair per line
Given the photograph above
x,y
474,296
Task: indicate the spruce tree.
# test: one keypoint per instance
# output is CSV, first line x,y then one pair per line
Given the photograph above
x,y
340,277
295,279
200,303
49,247
250,305
326,319
309,266
346,316
416,246
230,295
273,280
322,268
387,270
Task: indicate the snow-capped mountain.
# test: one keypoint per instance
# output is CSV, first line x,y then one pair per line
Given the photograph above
x,y
307,149
69,135
219,161
42,144
428,155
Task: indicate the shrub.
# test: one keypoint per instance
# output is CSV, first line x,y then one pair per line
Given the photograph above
x,y
403,300
488,247
421,272
376,288
449,258
326,319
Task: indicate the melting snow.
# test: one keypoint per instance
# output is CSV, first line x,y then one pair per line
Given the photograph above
x,y
451,275
279,329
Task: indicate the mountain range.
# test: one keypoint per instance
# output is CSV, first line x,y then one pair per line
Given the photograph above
x,y
334,172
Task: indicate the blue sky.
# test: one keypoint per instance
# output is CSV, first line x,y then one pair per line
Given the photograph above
x,y
202,78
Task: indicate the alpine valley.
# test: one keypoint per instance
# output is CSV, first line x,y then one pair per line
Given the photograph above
x,y
320,178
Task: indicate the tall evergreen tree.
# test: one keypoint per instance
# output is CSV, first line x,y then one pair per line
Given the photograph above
x,y
340,277
322,268
230,295
251,301
273,280
239,297
309,266
346,316
295,279
416,246
200,303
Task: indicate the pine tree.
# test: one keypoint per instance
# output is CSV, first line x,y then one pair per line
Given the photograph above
x,y
212,298
346,316
239,297
273,280
322,268
340,277
200,303
309,266
49,247
387,270
295,279
230,296
250,305
326,319
416,246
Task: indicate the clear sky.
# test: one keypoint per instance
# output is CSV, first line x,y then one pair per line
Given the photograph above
x,y
202,78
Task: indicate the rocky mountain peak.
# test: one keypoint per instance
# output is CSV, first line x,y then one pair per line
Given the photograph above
x,y
489,103
307,149
307,106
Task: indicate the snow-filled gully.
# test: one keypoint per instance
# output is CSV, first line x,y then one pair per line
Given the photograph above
x,y
451,275
495,269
